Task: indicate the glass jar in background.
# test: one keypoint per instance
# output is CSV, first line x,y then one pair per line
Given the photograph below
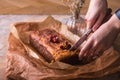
x,y
76,26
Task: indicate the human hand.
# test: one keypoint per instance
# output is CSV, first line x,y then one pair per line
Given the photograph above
x,y
96,13
101,39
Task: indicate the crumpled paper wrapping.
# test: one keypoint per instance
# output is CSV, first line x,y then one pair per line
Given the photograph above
x,y
24,63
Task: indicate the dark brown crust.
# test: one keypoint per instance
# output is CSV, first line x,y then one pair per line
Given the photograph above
x,y
41,41
42,50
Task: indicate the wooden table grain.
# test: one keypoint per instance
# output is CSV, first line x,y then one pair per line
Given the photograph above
x,y
43,6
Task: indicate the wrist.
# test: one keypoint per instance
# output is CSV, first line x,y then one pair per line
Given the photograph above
x,y
115,22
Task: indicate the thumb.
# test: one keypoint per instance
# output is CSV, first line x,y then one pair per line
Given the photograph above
x,y
90,20
89,24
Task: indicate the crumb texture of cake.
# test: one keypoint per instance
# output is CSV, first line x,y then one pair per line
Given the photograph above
x,y
51,45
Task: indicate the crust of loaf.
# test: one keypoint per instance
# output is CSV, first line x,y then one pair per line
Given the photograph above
x,y
41,41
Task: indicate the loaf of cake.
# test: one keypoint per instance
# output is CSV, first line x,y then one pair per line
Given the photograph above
x,y
52,45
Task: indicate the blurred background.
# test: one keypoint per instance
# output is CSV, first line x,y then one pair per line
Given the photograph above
x,y
43,6
12,11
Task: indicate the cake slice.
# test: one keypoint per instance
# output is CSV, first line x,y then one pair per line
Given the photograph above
x,y
51,45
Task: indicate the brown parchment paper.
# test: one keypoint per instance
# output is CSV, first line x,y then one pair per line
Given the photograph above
x,y
24,63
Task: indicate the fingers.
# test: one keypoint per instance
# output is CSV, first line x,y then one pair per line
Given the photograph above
x,y
96,19
101,19
91,19
85,49
90,49
98,22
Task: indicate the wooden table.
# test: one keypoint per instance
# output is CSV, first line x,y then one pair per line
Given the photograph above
x,y
43,6
6,22
32,7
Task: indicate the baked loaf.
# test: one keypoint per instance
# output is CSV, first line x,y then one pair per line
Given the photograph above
x,y
52,45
